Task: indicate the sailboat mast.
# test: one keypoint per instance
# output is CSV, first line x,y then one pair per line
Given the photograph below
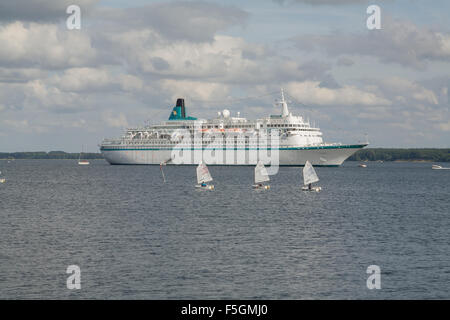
x,y
162,172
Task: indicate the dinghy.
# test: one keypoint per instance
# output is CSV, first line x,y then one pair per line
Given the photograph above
x,y
437,167
310,177
162,171
82,162
203,176
261,176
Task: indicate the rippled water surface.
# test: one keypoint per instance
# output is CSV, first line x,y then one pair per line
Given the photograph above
x,y
135,237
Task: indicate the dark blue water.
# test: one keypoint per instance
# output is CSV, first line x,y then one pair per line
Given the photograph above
x,y
135,237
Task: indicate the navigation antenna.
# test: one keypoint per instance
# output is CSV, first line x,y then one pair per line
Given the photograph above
x,y
283,103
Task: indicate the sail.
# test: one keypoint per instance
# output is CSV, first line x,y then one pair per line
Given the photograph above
x,y
203,174
261,173
309,174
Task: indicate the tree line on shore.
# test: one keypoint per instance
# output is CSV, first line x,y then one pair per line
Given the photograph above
x,y
384,154
48,155
369,154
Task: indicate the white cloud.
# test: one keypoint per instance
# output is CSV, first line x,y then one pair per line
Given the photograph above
x,y
90,80
225,58
194,21
310,92
323,2
23,126
38,94
82,79
400,42
408,88
16,123
116,120
194,90
40,10
44,46
11,75
444,126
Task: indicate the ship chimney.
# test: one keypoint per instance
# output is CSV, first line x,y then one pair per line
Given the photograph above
x,y
180,103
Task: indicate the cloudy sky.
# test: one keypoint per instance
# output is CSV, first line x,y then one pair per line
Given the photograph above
x,y
61,89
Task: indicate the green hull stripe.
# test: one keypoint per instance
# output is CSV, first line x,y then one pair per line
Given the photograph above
x,y
221,165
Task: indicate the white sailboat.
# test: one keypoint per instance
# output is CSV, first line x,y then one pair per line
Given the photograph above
x,y
261,176
310,177
2,180
82,162
164,163
437,167
203,176
162,171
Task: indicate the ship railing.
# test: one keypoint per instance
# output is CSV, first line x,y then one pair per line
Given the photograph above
x,y
112,142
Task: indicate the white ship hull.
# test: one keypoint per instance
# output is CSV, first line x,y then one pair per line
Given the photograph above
x,y
318,156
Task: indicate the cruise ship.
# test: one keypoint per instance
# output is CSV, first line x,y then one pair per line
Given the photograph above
x,y
283,139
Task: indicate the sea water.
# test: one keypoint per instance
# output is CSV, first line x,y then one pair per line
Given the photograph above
x,y
135,237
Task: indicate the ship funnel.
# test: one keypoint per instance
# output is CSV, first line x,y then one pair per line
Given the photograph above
x,y
180,103
179,111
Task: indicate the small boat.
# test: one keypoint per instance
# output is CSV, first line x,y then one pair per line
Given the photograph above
x,y
437,167
82,162
310,177
261,176
2,180
361,165
203,176
162,171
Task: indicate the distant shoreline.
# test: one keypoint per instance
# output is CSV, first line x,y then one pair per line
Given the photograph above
x,y
46,159
402,155
414,161
369,154
52,155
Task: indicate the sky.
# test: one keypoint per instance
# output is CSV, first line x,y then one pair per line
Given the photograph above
x,y
62,89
